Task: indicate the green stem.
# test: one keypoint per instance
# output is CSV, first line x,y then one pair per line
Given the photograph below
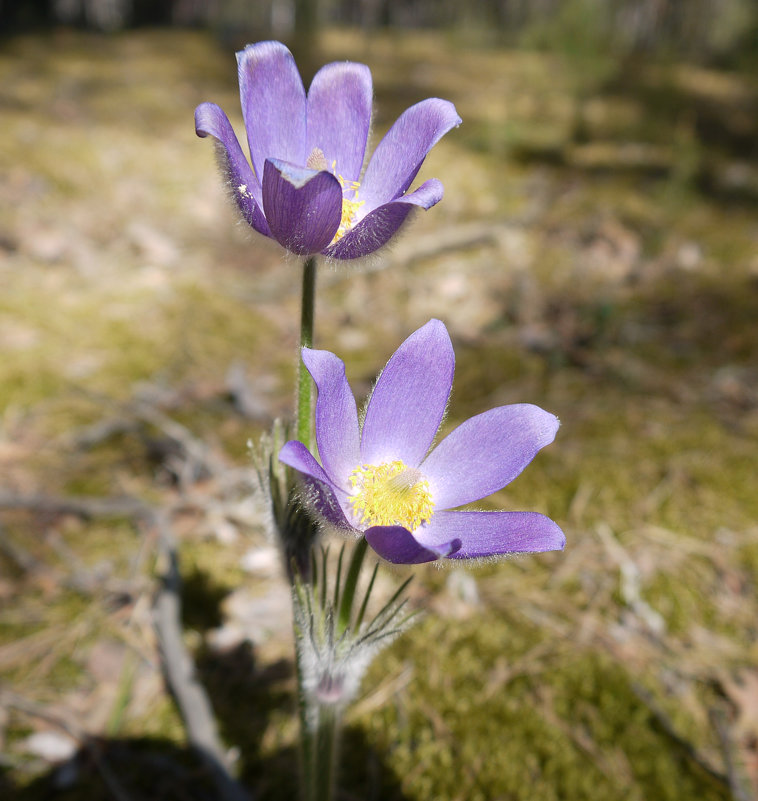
x,y
319,743
304,380
326,753
307,740
320,724
316,734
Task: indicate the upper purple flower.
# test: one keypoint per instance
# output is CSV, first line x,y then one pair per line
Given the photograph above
x,y
381,480
305,188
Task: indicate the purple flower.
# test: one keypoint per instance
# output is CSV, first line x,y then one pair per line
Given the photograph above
x,y
382,481
305,187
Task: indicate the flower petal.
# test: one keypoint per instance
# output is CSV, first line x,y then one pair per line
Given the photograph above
x,y
320,492
487,452
337,431
399,156
303,207
409,399
381,224
339,116
396,544
491,533
210,120
273,104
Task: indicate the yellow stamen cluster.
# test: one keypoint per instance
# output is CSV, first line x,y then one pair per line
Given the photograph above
x,y
349,207
390,494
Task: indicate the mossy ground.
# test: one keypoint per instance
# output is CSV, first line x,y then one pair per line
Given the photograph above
x,y
618,291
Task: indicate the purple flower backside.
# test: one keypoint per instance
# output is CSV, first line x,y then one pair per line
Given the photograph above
x,y
305,188
382,481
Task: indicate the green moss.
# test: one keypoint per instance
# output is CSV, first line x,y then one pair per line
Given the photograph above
x,y
570,725
748,556
631,363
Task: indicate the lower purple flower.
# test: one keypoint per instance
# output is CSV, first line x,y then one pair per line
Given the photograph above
x,y
381,480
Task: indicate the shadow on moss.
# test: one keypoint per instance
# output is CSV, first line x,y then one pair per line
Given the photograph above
x,y
246,702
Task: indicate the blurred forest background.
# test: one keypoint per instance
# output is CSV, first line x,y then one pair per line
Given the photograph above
x,y
596,253
721,31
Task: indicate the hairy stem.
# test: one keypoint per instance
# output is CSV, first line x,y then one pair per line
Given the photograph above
x,y
304,381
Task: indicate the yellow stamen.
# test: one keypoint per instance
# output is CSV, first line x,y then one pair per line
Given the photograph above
x,y
390,494
349,206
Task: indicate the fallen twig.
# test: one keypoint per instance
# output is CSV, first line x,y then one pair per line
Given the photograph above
x,y
16,554
179,670
456,238
84,507
193,702
668,727
630,582
198,459
738,782
79,579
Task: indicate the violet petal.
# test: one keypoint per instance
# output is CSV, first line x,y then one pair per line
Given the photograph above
x,y
320,494
273,104
210,120
399,156
409,399
487,452
396,544
381,224
491,533
339,116
337,431
303,207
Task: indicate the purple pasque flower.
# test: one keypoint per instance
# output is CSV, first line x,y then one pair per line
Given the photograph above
x,y
381,480
305,187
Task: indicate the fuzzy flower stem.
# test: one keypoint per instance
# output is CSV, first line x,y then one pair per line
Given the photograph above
x,y
304,380
308,733
320,723
307,739
310,739
319,742
333,648
327,737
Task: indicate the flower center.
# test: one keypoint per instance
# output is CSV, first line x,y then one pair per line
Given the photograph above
x,y
390,494
350,205
349,210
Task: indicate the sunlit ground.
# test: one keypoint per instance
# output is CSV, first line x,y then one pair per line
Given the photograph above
x,y
596,253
